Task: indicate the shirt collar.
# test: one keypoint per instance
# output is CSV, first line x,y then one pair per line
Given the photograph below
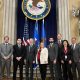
x,y
6,43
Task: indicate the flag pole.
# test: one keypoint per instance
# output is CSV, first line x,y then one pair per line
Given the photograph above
x,y
36,37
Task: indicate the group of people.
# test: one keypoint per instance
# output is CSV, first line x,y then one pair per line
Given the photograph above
x,y
63,58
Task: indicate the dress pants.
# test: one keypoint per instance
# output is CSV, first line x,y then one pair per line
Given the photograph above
x,y
6,64
17,64
59,70
53,70
29,70
67,73
76,65
43,68
0,69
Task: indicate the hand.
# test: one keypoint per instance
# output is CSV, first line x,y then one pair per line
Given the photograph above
x,y
6,57
70,61
18,58
62,61
54,61
33,61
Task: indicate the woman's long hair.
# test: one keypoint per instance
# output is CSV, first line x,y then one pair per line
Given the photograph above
x,y
67,43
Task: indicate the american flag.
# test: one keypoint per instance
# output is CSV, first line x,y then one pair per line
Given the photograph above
x,y
26,33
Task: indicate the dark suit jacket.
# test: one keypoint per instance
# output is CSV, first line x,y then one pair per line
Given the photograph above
x,y
31,55
76,53
18,52
68,54
53,52
59,50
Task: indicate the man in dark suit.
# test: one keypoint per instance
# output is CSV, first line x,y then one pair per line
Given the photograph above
x,y
53,53
59,43
76,58
18,58
31,51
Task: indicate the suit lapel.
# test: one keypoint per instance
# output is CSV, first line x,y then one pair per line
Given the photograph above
x,y
31,48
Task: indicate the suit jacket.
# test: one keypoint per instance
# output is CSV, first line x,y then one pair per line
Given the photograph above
x,y
43,56
59,50
6,50
31,53
76,53
18,52
67,56
53,52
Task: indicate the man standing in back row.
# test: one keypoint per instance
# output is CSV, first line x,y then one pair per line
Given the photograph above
x,y
6,50
18,58
31,51
59,43
76,58
53,53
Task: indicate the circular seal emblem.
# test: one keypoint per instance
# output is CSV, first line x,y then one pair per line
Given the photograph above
x,y
36,9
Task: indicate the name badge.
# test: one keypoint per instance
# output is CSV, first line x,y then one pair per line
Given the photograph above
x,y
65,56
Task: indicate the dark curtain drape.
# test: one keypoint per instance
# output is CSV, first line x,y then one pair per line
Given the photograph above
x,y
50,22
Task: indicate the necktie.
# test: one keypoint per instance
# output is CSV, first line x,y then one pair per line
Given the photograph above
x,y
6,46
19,46
59,43
51,44
73,46
30,48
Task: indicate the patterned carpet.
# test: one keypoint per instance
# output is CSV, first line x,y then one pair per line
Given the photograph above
x,y
23,79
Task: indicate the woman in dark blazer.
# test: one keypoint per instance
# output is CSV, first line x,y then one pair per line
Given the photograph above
x,y
66,60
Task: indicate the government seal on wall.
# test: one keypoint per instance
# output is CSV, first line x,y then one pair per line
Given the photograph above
x,y
36,9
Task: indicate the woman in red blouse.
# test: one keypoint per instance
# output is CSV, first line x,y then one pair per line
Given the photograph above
x,y
66,60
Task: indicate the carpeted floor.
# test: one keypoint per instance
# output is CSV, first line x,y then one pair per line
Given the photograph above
x,y
23,79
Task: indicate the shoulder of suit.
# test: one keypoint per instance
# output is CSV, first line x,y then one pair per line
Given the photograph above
x,y
78,44
10,44
2,44
34,45
15,45
45,49
55,44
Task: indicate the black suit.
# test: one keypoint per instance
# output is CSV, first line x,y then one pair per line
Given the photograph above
x,y
59,69
53,53
30,57
76,63
66,66
18,52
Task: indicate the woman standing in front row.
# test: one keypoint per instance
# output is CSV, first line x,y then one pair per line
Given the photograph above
x,y
42,60
66,60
